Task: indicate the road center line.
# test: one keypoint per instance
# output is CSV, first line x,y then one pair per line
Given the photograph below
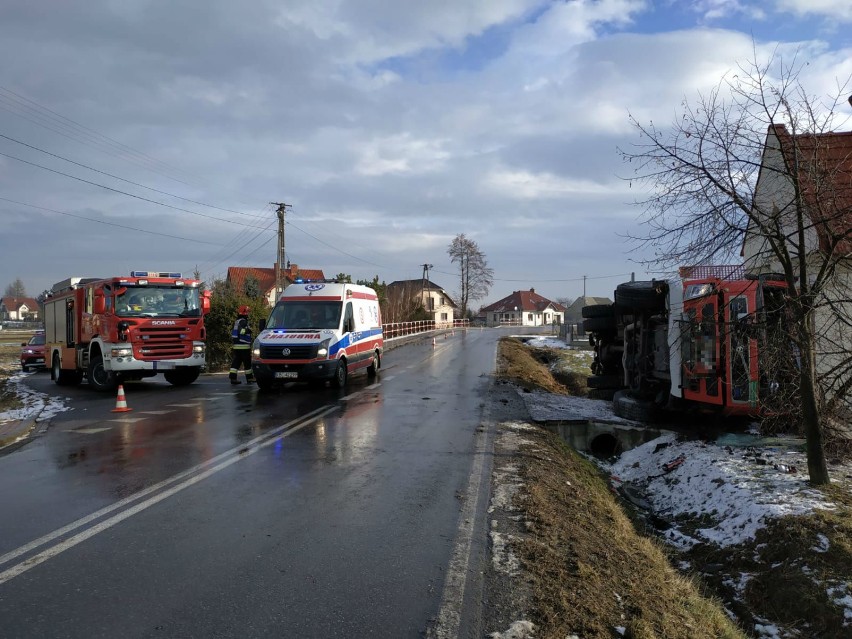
x,y
83,521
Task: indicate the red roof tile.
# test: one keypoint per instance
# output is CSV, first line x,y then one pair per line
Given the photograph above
x,y
526,301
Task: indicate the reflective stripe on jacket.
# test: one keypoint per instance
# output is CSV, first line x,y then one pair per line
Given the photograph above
x,y
241,333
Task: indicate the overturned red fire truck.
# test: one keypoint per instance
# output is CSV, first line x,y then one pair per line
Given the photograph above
x,y
698,342
125,328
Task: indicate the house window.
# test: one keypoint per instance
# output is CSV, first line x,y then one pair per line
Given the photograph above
x,y
431,303
444,317
530,317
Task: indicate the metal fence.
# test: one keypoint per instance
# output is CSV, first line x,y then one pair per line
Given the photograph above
x,y
401,329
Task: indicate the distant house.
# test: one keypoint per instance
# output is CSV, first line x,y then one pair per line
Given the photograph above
x,y
574,313
524,308
19,309
404,296
238,275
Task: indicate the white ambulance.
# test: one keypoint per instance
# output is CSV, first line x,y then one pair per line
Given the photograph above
x,y
319,331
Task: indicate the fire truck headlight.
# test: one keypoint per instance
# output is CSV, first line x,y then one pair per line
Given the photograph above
x,y
121,352
198,348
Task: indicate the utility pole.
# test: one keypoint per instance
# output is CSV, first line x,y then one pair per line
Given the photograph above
x,y
279,263
426,268
584,287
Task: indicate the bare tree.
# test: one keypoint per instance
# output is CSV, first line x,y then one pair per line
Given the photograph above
x,y
16,289
404,302
752,168
475,277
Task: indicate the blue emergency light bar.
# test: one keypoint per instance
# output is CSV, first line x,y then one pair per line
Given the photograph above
x,y
153,274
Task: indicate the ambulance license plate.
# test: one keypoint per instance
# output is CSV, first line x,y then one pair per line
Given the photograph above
x,y
286,375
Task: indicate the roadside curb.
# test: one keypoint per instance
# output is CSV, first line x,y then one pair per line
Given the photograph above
x,y
15,430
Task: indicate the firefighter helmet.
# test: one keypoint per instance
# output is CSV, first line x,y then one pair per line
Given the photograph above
x,y
244,310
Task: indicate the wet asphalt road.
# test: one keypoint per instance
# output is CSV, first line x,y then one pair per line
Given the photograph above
x,y
216,511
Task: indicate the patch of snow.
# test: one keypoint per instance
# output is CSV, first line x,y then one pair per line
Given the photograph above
x,y
544,407
822,544
502,557
733,488
842,597
767,630
518,630
36,406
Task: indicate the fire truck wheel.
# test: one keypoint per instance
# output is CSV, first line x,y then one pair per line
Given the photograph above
x,y
637,410
641,295
100,378
600,325
605,381
63,377
182,376
598,310
339,380
373,368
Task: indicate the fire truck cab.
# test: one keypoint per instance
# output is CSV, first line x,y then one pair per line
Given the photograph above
x,y
697,343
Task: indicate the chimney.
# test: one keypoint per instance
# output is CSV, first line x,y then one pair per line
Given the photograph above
x,y
532,290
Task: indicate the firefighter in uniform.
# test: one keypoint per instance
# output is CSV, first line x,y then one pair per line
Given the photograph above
x,y
241,339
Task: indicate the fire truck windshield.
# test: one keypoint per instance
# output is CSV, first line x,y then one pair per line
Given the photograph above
x,y
158,301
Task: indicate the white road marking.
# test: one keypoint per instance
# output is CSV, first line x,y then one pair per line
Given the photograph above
x,y
126,420
87,431
155,412
452,597
195,405
213,466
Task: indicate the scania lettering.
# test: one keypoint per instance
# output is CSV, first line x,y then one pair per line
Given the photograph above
x,y
319,331
110,330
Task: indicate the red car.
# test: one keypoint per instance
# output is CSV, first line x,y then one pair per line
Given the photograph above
x,y
32,353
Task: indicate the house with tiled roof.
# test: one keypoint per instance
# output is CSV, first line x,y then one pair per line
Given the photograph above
x,y
406,296
809,173
18,309
265,277
524,308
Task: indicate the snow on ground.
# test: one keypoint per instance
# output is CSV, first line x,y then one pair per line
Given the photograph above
x,y
36,406
739,488
546,407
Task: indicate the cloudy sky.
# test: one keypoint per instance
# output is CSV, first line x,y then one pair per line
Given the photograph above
x,y
144,134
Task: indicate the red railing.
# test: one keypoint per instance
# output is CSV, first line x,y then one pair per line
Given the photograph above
x,y
401,329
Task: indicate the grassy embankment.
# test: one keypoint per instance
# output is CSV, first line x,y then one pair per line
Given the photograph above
x,y
594,568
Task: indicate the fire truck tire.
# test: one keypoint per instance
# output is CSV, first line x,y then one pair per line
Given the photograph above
x,y
598,310
600,325
100,378
340,374
374,366
605,394
62,377
637,410
605,381
641,295
182,376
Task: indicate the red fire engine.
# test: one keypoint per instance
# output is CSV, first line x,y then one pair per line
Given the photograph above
x,y
699,342
125,328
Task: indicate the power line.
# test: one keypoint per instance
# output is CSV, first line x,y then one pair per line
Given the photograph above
x,y
89,219
109,188
35,148
57,119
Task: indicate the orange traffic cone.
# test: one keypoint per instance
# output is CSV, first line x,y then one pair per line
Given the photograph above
x,y
121,402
